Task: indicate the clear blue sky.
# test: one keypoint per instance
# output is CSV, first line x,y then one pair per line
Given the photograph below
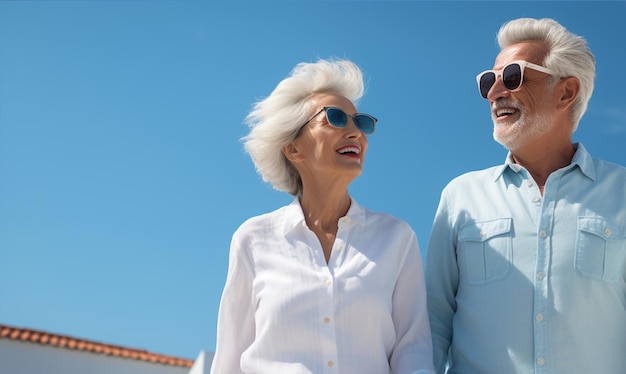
x,y
122,176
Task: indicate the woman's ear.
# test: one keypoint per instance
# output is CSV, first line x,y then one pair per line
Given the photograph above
x,y
292,152
569,88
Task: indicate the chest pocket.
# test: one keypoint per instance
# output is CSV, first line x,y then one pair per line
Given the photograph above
x,y
485,250
601,249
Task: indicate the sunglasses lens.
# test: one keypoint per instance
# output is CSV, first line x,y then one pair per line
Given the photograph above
x,y
486,82
512,76
365,123
336,117
339,118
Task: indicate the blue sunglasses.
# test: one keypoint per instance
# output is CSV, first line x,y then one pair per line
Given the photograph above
x,y
338,118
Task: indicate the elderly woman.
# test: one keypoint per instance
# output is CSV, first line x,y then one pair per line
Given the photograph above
x,y
322,285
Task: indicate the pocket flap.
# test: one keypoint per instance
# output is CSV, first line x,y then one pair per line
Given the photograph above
x,y
481,231
601,227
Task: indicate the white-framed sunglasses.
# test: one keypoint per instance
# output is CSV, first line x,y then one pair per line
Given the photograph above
x,y
512,76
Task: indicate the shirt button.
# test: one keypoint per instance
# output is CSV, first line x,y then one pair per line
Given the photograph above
x,y
540,275
328,283
529,183
331,364
541,361
543,234
339,247
539,317
482,233
536,199
607,232
326,320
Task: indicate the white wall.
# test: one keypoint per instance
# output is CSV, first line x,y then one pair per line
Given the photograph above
x,y
202,364
17,357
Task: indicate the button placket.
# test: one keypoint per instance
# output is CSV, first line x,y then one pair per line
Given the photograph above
x,y
547,205
326,319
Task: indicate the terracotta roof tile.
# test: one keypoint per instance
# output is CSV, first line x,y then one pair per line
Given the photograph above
x,y
68,342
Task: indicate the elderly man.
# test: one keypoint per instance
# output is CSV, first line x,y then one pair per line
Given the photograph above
x,y
526,263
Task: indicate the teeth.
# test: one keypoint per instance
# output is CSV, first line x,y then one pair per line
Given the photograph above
x,y
501,112
349,150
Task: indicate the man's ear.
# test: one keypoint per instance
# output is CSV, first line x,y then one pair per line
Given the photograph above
x,y
292,152
568,89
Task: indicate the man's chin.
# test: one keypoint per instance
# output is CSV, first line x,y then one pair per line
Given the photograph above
x,y
507,142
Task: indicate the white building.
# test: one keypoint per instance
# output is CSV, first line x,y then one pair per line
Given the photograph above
x,y
28,351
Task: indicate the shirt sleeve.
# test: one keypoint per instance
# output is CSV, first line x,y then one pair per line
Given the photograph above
x,y
235,322
441,282
413,350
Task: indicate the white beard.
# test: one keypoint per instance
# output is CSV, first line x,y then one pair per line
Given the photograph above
x,y
519,133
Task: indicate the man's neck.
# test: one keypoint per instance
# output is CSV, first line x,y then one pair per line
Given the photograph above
x,y
543,160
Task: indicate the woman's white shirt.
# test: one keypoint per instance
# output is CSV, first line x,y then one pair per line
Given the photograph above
x,y
284,310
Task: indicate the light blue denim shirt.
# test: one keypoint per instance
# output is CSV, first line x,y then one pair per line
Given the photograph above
x,y
523,283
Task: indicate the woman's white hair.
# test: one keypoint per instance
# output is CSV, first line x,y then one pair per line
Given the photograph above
x,y
568,54
275,121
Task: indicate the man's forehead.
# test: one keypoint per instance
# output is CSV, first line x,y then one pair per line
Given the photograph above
x,y
531,51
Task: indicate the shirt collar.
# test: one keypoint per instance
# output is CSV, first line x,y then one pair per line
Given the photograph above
x,y
581,158
294,216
